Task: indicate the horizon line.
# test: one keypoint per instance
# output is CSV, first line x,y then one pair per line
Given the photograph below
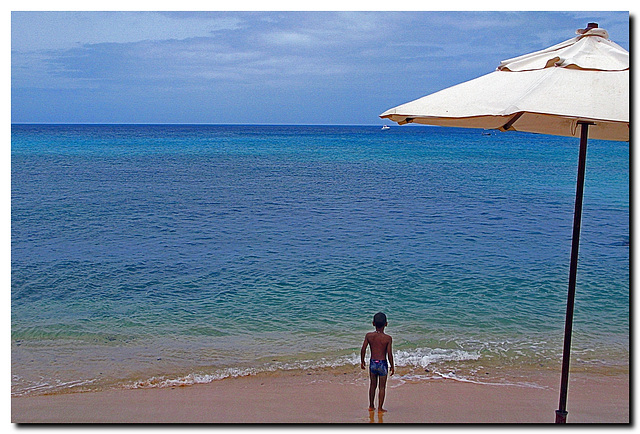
x,y
215,124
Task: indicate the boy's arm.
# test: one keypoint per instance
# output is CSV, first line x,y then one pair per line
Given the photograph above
x,y
363,351
390,357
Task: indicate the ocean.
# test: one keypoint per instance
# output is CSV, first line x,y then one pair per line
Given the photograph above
x,y
164,255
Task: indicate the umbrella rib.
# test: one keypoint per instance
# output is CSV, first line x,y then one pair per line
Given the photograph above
x,y
511,121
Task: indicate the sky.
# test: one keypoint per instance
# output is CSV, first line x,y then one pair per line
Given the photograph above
x,y
263,67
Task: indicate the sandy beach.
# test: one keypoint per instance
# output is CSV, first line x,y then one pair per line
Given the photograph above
x,y
323,397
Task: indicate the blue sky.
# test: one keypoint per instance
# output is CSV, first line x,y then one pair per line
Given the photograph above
x,y
251,67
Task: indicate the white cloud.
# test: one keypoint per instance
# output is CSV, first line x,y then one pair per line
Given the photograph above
x,y
61,30
289,39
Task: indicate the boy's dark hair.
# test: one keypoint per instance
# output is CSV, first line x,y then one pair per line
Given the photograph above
x,y
379,319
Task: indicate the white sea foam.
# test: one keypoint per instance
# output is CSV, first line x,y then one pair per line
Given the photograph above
x,y
52,386
423,357
190,379
200,378
419,357
453,376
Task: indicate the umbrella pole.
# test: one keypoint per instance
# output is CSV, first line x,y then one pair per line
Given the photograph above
x,y
561,413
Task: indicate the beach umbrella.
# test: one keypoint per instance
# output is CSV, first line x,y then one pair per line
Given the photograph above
x,y
578,88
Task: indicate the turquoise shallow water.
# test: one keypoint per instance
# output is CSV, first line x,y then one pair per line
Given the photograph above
x,y
163,254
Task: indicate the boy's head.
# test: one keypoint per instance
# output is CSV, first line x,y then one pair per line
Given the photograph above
x,y
379,320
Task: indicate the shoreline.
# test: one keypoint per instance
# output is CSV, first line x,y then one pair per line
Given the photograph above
x,y
478,370
325,397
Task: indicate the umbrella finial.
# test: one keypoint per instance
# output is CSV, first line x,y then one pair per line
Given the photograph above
x,y
589,27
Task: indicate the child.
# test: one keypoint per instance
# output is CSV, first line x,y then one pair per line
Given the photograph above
x,y
380,344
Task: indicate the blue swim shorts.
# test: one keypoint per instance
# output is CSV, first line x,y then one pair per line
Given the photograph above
x,y
378,367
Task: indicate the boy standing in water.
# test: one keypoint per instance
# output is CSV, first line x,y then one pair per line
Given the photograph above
x,y
380,344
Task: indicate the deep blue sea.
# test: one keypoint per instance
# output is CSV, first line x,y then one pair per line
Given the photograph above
x,y
151,255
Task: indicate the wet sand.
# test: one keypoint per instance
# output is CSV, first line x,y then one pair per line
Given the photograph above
x,y
303,397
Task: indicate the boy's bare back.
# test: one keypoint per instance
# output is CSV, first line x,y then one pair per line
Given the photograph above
x,y
379,344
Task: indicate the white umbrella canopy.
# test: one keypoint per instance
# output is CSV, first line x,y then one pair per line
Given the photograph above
x,y
578,88
583,79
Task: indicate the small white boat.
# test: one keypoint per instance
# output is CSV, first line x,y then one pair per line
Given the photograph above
x,y
385,127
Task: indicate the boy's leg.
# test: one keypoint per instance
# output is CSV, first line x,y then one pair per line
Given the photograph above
x,y
381,392
372,389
